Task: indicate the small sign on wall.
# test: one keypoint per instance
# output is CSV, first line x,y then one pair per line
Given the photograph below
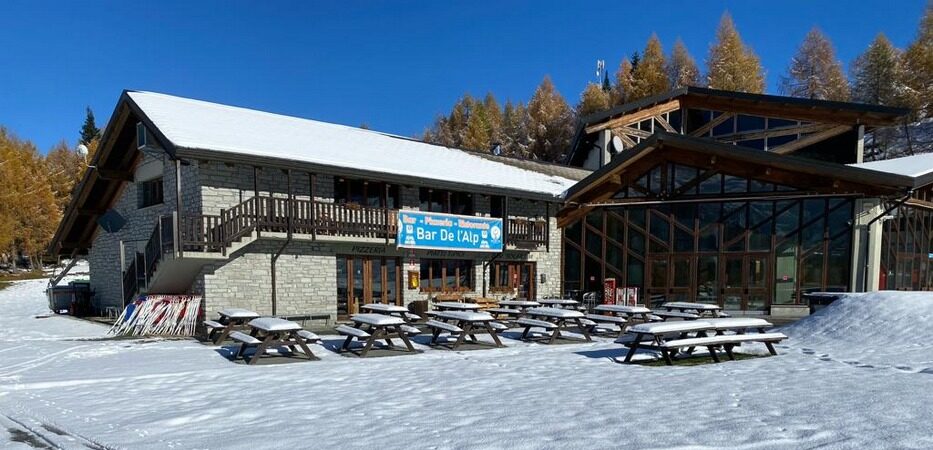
x,y
414,279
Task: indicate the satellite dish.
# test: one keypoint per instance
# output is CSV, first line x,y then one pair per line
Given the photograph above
x,y
111,221
617,144
82,150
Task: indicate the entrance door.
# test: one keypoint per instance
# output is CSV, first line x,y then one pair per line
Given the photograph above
x,y
366,279
514,277
745,281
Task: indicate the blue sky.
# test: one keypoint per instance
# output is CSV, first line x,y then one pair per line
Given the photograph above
x,y
392,65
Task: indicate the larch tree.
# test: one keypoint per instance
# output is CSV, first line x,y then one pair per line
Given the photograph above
x,y
515,137
732,65
493,118
593,99
550,122
89,130
476,134
876,74
65,167
918,65
622,91
650,76
682,69
814,72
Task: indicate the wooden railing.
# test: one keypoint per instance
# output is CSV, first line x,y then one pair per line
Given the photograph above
x,y
528,231
215,233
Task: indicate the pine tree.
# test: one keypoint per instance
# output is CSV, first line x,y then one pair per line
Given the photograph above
x,y
622,91
593,99
815,72
89,130
649,76
876,74
550,122
682,68
607,86
918,65
732,65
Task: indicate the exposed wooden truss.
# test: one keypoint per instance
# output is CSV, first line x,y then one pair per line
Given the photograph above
x,y
773,132
635,117
805,141
712,124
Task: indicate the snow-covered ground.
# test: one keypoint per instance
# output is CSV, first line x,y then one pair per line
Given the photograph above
x,y
857,375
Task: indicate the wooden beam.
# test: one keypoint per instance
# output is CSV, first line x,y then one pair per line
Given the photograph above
x,y
805,141
773,132
785,111
634,117
665,124
629,142
91,211
712,124
632,132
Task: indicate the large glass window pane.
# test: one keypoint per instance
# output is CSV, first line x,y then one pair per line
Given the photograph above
x,y
837,273
594,243
733,273
839,218
683,241
788,220
572,268
375,280
636,216
734,185
659,272
707,282
635,273
573,232
660,229
711,185
785,273
709,239
614,256
813,208
636,242
615,228
757,272
681,273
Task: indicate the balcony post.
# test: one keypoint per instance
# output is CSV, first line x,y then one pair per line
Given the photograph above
x,y
506,222
223,232
313,181
385,204
176,234
256,200
547,226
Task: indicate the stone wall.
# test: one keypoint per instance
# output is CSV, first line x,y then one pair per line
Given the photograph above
x,y
104,255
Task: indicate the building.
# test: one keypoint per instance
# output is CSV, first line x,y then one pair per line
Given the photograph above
x,y
750,201
289,216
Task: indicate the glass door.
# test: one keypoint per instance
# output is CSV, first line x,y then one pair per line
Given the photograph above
x,y
362,280
733,282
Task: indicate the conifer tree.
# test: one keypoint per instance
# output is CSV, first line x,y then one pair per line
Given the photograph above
x,y
593,99
815,72
649,76
65,167
876,74
515,138
622,91
682,68
89,130
918,65
550,122
732,65
493,119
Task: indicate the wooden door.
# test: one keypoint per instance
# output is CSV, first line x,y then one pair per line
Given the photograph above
x,y
364,279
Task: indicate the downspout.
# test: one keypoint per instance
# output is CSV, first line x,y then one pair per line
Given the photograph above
x,y
868,234
288,240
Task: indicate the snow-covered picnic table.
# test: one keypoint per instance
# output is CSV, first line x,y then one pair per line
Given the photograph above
x,y
267,332
553,320
512,309
700,309
231,319
696,333
373,327
463,324
391,310
559,303
456,306
639,313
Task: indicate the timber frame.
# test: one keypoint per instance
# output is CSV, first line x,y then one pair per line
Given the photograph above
x,y
701,112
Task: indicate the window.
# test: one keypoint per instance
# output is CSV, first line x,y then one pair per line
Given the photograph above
x,y
141,138
497,206
366,193
444,201
150,192
446,275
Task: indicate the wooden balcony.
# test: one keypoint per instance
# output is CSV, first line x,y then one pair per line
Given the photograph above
x,y
214,233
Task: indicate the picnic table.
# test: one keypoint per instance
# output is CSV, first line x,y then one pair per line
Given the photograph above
x,y
269,332
639,313
512,308
463,324
696,333
231,319
372,327
559,303
553,320
700,309
391,310
456,306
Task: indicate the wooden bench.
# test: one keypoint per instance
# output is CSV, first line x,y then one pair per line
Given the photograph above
x,y
410,329
607,319
726,341
510,312
212,327
305,317
351,332
498,326
534,323
308,336
443,326
245,340
486,303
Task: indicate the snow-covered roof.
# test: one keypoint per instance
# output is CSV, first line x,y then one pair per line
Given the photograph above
x,y
196,124
911,166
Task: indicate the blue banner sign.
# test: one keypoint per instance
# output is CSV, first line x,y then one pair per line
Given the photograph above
x,y
426,230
